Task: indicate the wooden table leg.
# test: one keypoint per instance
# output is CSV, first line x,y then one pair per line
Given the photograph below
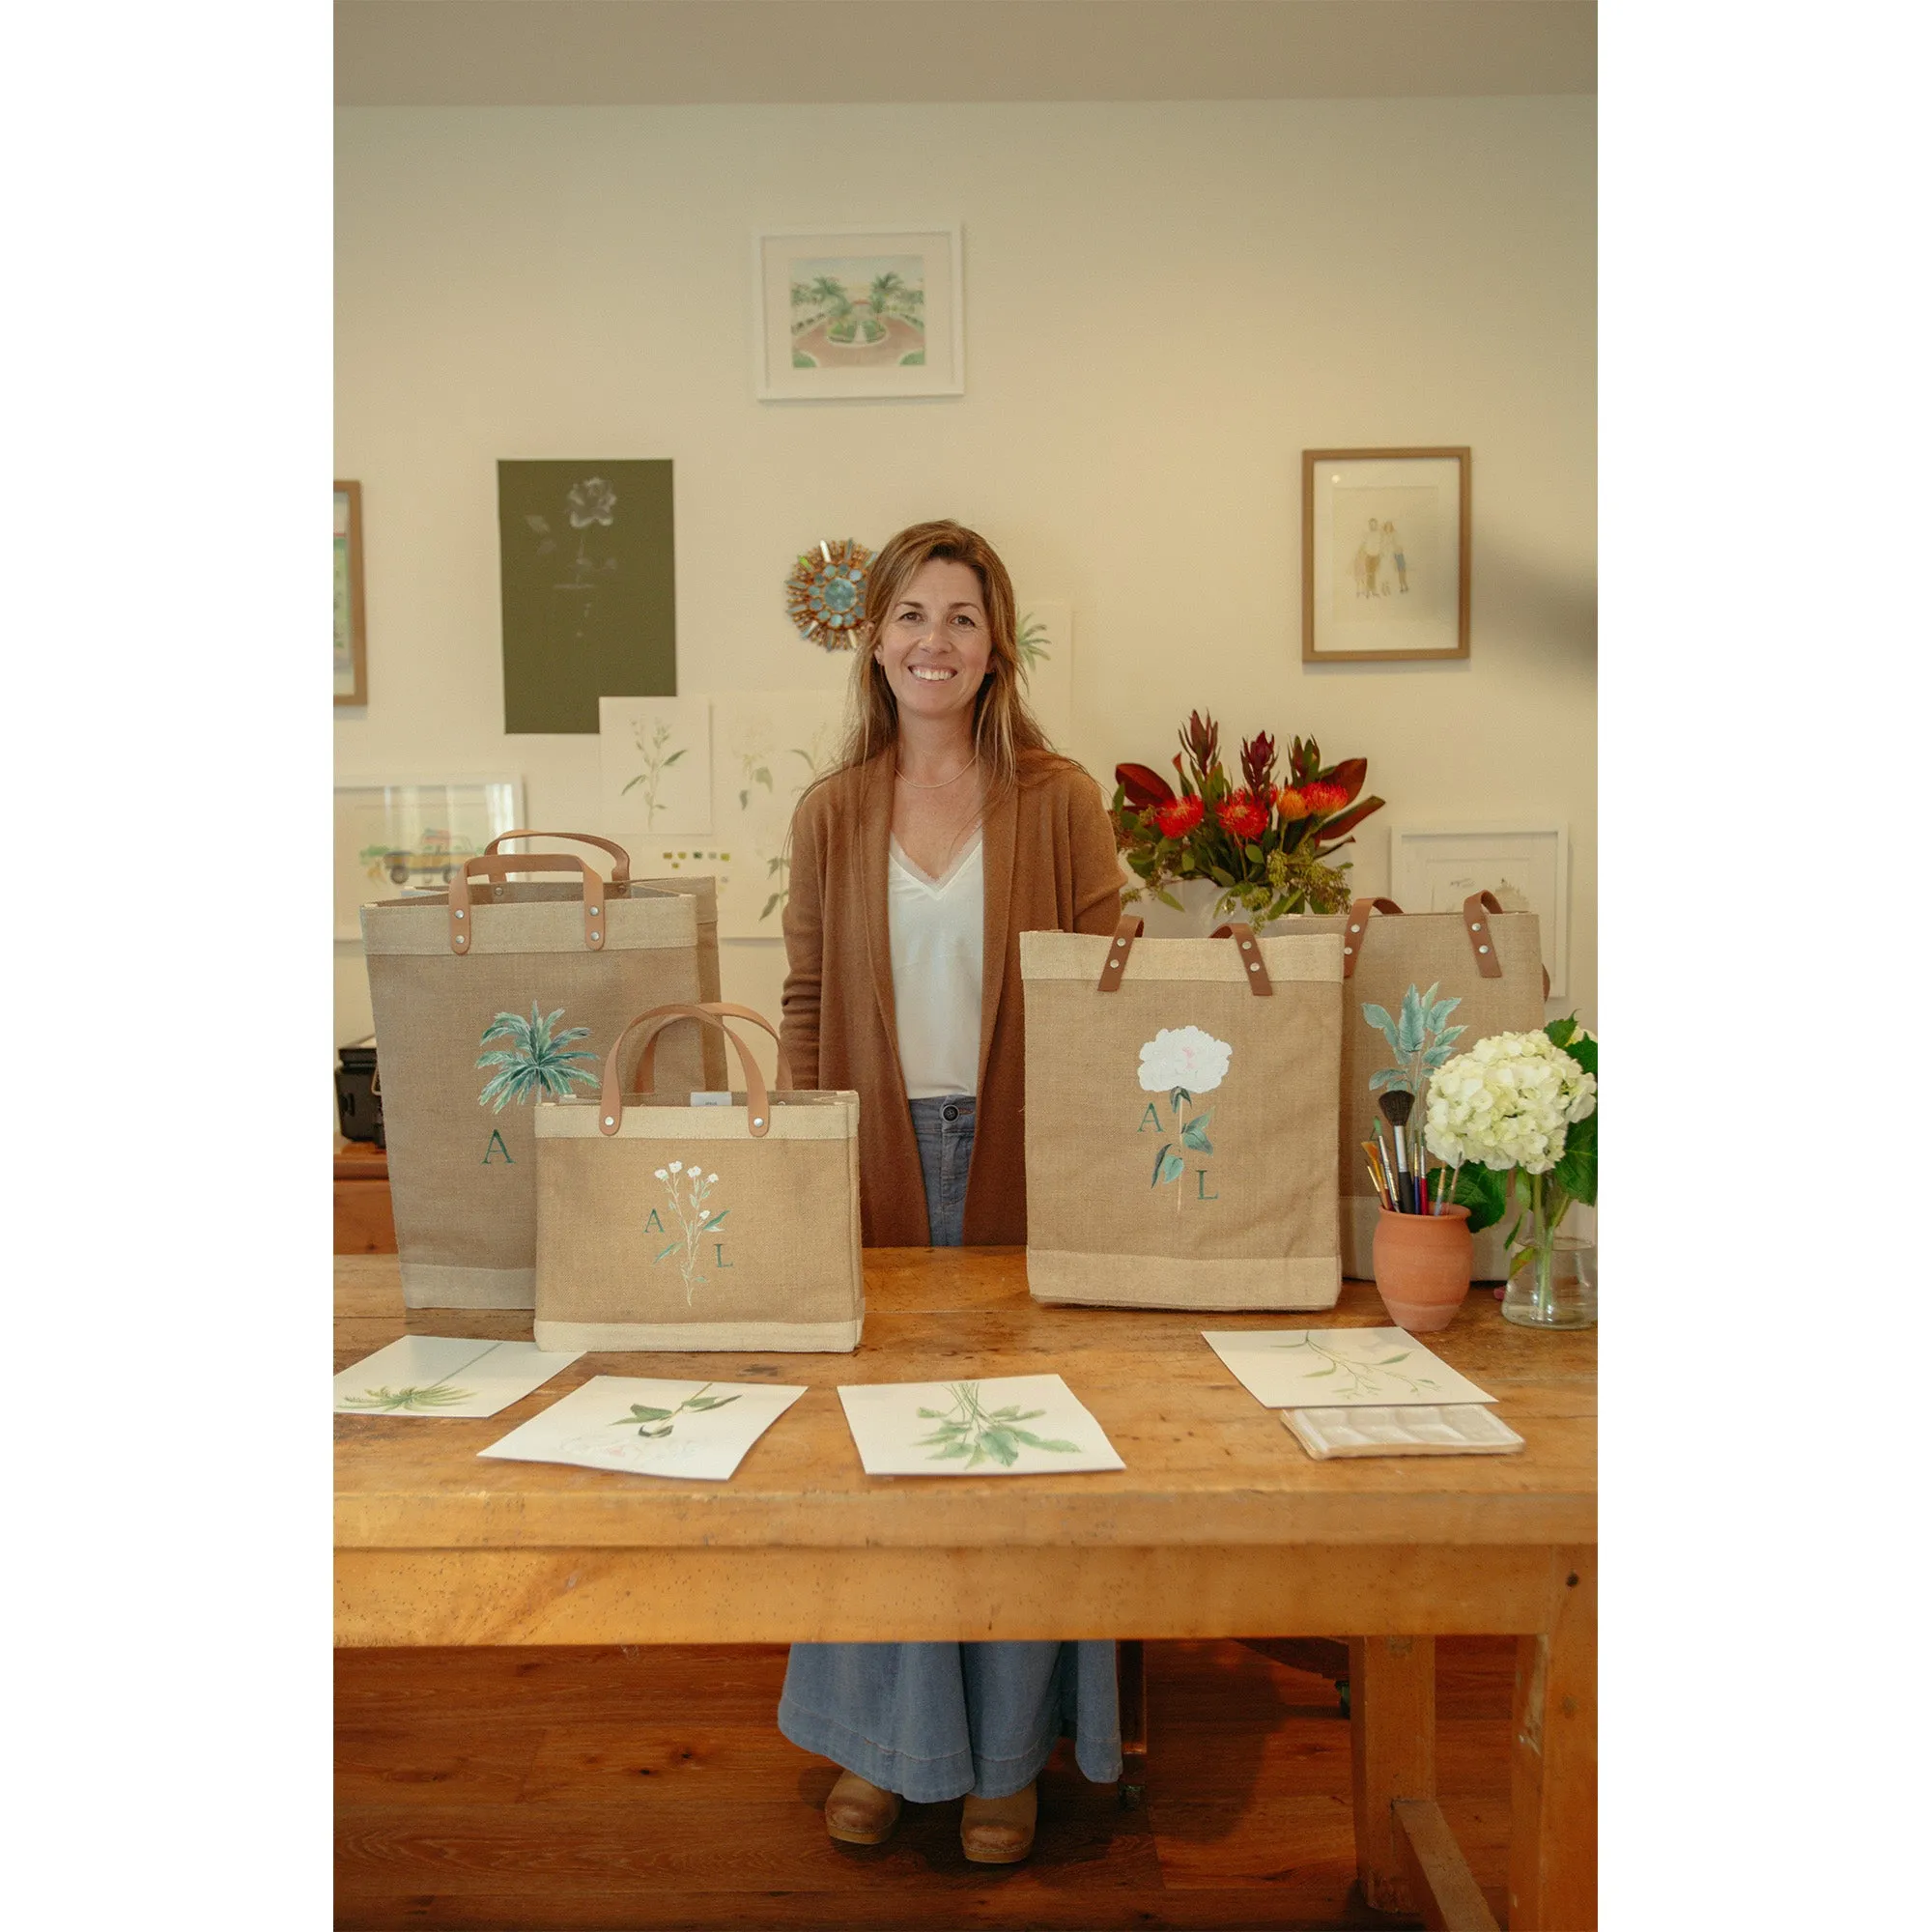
x,y
1553,1863
1132,1672
1392,1733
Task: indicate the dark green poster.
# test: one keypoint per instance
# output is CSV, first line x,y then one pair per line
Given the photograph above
x,y
589,608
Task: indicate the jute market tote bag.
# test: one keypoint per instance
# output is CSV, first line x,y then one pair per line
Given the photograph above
x,y
1180,1119
484,999
667,1226
1489,959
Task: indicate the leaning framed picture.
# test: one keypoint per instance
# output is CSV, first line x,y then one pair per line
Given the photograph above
x,y
397,839
1524,861
1384,555
351,650
850,312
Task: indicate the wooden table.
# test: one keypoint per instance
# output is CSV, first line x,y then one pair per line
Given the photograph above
x,y
1218,1527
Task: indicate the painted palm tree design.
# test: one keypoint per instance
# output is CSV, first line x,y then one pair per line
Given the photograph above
x,y
538,1060
1032,642
435,1394
973,1434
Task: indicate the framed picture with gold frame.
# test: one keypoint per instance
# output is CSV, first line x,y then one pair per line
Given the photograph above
x,y
1384,555
351,649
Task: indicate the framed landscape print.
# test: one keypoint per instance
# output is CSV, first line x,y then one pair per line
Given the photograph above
x,y
351,656
844,312
397,839
1384,555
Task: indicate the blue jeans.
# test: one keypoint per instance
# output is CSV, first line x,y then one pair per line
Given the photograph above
x,y
937,1721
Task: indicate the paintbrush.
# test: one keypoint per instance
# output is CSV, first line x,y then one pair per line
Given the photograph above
x,y
1388,1168
1396,1110
1376,1172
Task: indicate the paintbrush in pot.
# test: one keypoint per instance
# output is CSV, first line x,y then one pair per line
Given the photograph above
x,y
1388,1168
1375,1171
1396,1109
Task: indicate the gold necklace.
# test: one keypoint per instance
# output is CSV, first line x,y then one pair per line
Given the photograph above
x,y
944,783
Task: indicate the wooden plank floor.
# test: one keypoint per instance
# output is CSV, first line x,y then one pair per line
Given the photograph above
x,y
523,1789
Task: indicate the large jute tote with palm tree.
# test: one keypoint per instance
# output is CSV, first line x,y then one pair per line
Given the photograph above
x,y
1180,1119
489,996
1487,960
667,1225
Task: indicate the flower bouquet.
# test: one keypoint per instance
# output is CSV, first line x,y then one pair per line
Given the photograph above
x,y
1265,846
1517,1115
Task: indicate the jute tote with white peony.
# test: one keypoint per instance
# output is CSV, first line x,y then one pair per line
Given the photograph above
x,y
489,998
662,1225
1180,1119
1487,959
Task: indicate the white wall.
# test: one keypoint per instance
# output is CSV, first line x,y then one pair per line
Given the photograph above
x,y
1165,305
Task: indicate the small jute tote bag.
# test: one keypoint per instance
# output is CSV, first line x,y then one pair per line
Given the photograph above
x,y
1180,1119
487,997
665,1225
1489,959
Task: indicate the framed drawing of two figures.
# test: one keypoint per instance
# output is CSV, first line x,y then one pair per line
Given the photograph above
x,y
1384,555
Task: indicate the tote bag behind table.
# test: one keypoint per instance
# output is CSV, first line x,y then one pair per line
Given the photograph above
x,y
1180,1119
478,995
667,1226
1489,959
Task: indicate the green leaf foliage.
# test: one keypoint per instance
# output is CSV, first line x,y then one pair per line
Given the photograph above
x,y
1562,1032
710,1401
1377,1017
1576,1172
1172,1167
1195,1134
1484,1193
641,1413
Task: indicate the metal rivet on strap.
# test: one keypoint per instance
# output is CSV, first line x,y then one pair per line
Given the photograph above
x,y
1248,945
1354,928
1255,966
1347,949
1477,928
458,914
760,1121
1120,942
595,934
1481,949
609,1122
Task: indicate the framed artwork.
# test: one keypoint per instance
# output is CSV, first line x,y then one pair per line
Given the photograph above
x,y
1525,865
590,589
351,648
397,839
844,312
1384,555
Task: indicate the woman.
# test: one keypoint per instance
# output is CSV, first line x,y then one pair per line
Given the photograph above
x,y
949,830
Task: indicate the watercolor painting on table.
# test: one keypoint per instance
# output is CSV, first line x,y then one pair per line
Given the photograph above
x,y
1003,1425
1338,1367
768,746
644,1426
1046,657
655,759
445,1375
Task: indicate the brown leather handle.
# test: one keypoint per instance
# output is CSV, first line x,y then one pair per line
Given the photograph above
x,y
1130,929
462,909
1358,924
1482,943
620,870
1243,936
724,1009
610,1097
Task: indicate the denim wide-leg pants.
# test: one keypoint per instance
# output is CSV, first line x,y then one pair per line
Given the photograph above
x,y
937,1721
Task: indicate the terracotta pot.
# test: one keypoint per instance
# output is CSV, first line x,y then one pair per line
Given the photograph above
x,y
1421,1266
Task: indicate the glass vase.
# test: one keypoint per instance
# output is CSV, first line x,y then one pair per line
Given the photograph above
x,y
1555,1288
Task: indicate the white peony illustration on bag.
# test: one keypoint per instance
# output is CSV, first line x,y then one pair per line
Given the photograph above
x,y
1181,1063
688,1188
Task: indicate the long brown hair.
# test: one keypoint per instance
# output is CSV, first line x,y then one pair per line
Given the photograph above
x,y
1003,725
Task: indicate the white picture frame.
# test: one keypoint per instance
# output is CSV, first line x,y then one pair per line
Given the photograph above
x,y
797,353
1526,862
420,826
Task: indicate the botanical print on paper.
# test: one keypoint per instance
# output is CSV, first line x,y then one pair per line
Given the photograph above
x,y
656,758
654,1424
539,1058
1181,1063
438,1395
858,312
974,1433
770,747
1372,1376
689,1191
654,765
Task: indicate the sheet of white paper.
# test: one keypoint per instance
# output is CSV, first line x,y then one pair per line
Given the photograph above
x,y
769,746
1008,1426
655,762
445,1375
1336,1368
1046,643
642,1426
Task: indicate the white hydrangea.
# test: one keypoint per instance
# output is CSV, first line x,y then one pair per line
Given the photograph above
x,y
1183,1060
1508,1102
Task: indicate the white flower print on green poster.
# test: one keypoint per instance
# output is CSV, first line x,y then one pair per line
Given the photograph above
x,y
1180,1063
691,1222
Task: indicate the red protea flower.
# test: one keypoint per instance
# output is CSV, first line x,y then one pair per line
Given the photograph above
x,y
1321,798
1242,815
1291,804
1178,819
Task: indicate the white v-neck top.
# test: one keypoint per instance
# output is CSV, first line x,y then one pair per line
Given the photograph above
x,y
938,929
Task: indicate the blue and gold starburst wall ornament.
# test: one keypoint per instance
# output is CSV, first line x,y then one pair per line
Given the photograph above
x,y
825,593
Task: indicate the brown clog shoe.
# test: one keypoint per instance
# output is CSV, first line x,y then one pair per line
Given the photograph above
x,y
999,1830
858,1813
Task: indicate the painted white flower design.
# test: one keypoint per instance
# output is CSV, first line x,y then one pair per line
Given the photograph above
x,y
591,501
688,1190
1181,1063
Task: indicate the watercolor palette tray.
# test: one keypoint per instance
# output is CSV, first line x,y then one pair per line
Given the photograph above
x,y
1455,1429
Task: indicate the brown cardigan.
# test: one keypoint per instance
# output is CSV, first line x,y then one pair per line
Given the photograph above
x,y
1050,866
